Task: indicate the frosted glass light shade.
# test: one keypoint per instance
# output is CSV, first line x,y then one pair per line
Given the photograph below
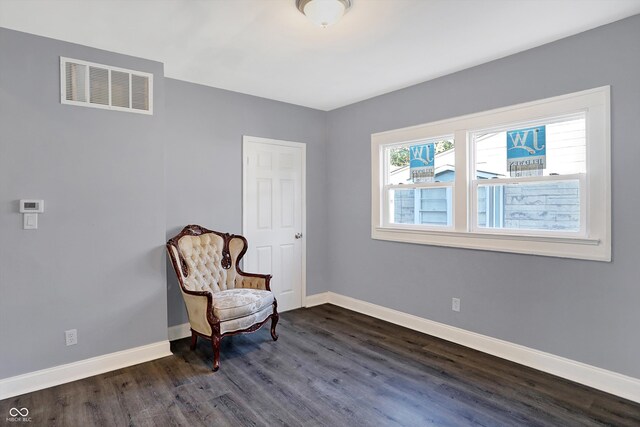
x,y
324,12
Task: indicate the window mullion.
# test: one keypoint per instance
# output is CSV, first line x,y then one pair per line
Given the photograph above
x,y
461,193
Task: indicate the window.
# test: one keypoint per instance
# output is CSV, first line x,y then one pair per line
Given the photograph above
x,y
419,183
531,178
516,188
101,86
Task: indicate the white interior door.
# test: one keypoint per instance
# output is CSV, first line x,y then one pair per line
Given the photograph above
x,y
273,215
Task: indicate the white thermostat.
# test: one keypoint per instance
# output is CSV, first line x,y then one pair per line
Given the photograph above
x,y
31,206
30,209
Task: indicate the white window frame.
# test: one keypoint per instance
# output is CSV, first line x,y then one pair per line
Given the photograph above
x,y
130,109
592,242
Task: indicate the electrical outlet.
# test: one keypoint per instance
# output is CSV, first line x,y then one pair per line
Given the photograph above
x,y
71,336
455,304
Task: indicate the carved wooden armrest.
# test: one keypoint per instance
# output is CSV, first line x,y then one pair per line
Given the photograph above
x,y
255,281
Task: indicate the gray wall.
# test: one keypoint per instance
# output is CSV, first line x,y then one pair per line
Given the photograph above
x,y
97,261
115,186
586,311
204,167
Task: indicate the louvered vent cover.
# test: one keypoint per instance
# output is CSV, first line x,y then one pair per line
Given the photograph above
x,y
120,89
139,92
75,77
99,85
102,86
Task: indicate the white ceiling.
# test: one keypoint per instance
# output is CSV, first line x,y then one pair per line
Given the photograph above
x,y
267,48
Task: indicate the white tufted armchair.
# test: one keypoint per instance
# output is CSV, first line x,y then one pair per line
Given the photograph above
x,y
221,299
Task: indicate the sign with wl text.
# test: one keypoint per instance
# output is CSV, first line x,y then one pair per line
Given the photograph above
x,y
421,162
526,151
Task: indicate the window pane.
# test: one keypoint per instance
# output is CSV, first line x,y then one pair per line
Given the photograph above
x,y
562,144
399,170
547,205
421,206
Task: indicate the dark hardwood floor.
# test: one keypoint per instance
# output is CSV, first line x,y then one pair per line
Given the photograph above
x,y
330,367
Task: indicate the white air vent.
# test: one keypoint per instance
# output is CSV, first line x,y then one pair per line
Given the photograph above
x,y
101,86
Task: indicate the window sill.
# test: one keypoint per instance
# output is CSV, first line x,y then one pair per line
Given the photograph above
x,y
554,246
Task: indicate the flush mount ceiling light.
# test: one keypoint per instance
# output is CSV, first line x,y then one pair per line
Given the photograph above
x,y
323,12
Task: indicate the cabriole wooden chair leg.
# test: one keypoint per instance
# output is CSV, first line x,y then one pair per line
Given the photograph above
x,y
274,322
194,340
215,344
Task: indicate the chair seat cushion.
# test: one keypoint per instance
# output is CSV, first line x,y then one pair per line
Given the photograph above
x,y
240,302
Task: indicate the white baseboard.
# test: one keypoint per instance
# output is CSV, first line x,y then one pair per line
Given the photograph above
x,y
45,378
178,332
598,378
317,299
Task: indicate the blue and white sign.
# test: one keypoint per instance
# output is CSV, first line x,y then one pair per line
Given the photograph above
x,y
421,162
526,151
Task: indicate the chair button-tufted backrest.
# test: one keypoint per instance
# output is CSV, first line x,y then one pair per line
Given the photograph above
x,y
203,256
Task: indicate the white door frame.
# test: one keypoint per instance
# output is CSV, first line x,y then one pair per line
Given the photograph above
x,y
255,139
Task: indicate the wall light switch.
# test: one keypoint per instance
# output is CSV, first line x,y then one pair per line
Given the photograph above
x,y
30,221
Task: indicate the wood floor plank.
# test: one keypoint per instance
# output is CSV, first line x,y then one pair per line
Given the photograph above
x,y
403,371
330,367
519,388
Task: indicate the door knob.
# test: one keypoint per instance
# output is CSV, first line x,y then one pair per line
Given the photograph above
x,y
298,235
